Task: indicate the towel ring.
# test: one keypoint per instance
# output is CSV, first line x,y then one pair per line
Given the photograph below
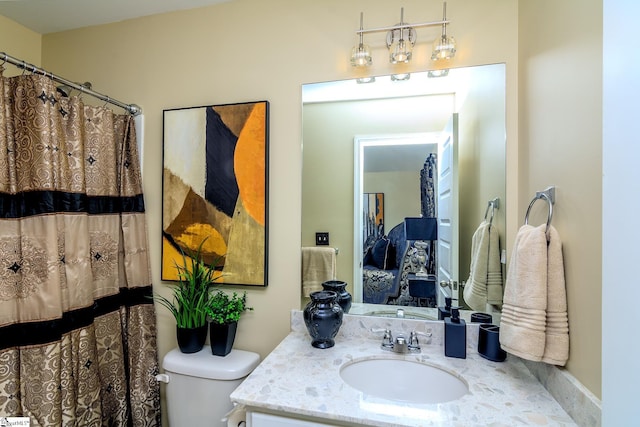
x,y
493,204
549,202
490,205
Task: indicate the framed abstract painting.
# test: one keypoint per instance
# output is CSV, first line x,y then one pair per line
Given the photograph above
x,y
215,190
373,217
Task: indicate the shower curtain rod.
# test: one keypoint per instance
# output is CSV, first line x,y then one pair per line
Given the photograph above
x,y
133,109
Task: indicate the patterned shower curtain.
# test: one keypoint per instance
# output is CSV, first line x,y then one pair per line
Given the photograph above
x,y
77,326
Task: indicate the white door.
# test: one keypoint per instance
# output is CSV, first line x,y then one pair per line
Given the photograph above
x,y
447,204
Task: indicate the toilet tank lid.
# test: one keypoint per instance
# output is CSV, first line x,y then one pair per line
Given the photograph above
x,y
235,365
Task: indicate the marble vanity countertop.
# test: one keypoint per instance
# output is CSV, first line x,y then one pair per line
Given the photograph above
x,y
299,380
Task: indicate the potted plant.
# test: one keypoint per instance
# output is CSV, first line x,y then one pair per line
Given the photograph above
x,y
190,299
224,312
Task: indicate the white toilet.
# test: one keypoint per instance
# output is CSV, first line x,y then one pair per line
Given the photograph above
x,y
199,384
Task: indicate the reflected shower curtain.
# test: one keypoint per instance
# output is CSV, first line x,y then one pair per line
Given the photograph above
x,y
77,326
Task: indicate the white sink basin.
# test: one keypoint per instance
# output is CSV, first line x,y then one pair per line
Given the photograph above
x,y
403,380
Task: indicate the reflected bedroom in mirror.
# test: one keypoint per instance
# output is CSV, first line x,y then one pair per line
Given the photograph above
x,y
403,178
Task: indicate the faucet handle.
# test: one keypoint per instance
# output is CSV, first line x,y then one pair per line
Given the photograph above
x,y
387,339
414,344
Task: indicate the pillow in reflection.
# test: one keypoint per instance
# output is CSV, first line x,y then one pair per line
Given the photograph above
x,y
383,254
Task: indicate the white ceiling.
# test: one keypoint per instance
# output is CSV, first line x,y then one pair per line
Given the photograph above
x,y
50,16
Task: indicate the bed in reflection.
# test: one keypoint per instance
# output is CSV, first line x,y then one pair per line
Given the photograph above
x,y
387,263
390,261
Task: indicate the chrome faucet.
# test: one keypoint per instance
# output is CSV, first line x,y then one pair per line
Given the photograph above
x,y
400,344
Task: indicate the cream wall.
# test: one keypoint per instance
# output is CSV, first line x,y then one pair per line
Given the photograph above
x,y
481,159
19,42
196,58
401,194
561,144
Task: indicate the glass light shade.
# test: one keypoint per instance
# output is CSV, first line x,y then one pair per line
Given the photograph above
x,y
361,55
400,77
400,52
443,48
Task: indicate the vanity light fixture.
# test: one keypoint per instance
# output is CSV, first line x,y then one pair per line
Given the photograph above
x,y
361,54
401,39
444,47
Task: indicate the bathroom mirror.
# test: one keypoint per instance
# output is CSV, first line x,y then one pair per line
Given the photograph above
x,y
336,115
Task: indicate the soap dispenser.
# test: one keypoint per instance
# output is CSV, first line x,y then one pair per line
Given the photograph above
x,y
455,335
444,312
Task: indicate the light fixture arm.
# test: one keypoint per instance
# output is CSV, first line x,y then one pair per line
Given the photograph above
x,y
444,19
402,26
360,32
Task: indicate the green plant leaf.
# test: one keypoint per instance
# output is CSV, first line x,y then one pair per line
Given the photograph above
x,y
224,309
191,293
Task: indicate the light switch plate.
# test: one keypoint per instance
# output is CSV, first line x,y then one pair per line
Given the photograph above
x,y
322,238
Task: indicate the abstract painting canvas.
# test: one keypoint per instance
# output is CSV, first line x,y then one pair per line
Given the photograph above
x,y
215,182
373,217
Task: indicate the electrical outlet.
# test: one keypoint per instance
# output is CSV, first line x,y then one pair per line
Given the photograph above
x,y
322,238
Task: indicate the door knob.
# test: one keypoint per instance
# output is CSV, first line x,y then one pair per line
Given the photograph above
x,y
449,284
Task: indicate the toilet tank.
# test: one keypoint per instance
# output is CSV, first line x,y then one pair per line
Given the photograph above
x,y
199,384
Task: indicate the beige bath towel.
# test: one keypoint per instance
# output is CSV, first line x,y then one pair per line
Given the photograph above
x,y
522,325
535,323
556,350
495,287
318,265
485,278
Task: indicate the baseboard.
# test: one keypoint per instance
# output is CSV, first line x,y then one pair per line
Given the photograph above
x,y
581,405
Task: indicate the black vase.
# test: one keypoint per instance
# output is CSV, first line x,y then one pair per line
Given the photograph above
x,y
191,340
339,287
221,337
323,317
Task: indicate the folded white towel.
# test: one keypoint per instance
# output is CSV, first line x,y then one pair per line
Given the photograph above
x,y
534,323
485,278
318,265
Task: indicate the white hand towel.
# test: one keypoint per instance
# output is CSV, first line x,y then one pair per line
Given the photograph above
x,y
475,291
494,269
522,325
556,350
318,265
485,273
